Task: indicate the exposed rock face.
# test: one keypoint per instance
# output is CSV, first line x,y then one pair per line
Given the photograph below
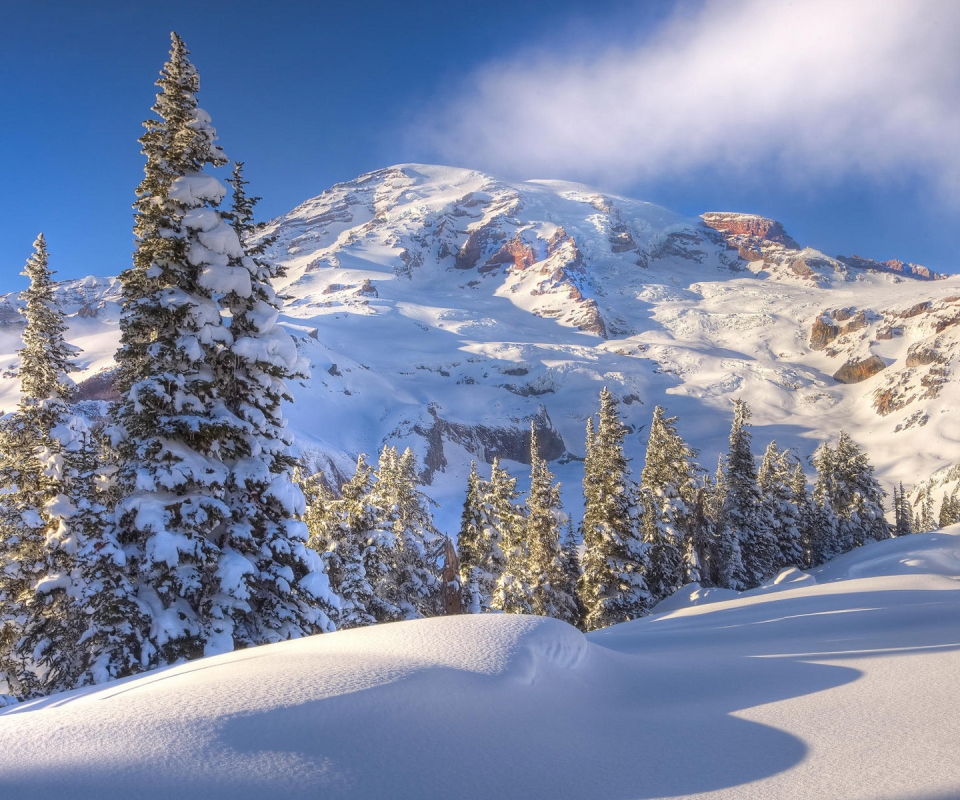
x,y
916,310
97,387
367,289
822,334
488,443
477,242
857,371
921,354
621,240
893,265
515,253
856,323
749,225
679,244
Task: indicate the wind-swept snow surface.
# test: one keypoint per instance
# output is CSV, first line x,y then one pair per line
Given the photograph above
x,y
842,685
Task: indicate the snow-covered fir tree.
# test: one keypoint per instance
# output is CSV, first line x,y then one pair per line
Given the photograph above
x,y
742,511
40,619
512,590
480,559
317,509
571,564
177,438
409,585
949,508
552,594
857,496
776,479
902,515
668,486
612,587
342,531
825,540
923,518
273,587
115,619
703,537
800,500
727,569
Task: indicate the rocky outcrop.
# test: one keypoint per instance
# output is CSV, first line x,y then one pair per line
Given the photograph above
x,y
488,443
477,243
515,253
893,265
679,244
97,387
857,322
621,240
822,333
750,225
915,310
857,371
921,354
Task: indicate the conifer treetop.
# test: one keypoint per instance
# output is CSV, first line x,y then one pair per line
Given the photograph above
x,y
45,359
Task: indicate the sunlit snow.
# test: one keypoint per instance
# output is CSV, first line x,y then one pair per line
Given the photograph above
x,y
839,684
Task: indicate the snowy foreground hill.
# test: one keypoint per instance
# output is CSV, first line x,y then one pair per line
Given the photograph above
x,y
444,309
837,684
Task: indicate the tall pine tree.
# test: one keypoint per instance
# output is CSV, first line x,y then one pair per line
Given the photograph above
x,y
668,487
512,590
742,510
551,592
273,587
40,620
776,482
612,587
176,434
857,496
409,585
481,561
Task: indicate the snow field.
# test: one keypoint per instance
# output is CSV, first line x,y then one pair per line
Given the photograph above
x,y
841,684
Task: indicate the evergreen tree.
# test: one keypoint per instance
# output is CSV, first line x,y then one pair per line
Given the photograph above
x,y
742,511
668,486
512,591
923,519
806,520
904,517
703,538
571,565
349,524
38,610
728,568
776,482
273,586
826,541
856,496
612,586
175,435
480,557
949,508
547,570
114,631
408,585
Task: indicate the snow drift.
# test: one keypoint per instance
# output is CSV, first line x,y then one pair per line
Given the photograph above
x,y
840,684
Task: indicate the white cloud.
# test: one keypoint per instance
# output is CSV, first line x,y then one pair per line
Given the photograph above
x,y
813,89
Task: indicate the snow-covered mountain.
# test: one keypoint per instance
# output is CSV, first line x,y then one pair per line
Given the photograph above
x,y
839,684
444,309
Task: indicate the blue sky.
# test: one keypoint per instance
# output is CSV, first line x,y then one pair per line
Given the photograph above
x,y
836,118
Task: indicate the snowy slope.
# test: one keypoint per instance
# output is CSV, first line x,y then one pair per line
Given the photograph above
x,y
443,309
842,685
